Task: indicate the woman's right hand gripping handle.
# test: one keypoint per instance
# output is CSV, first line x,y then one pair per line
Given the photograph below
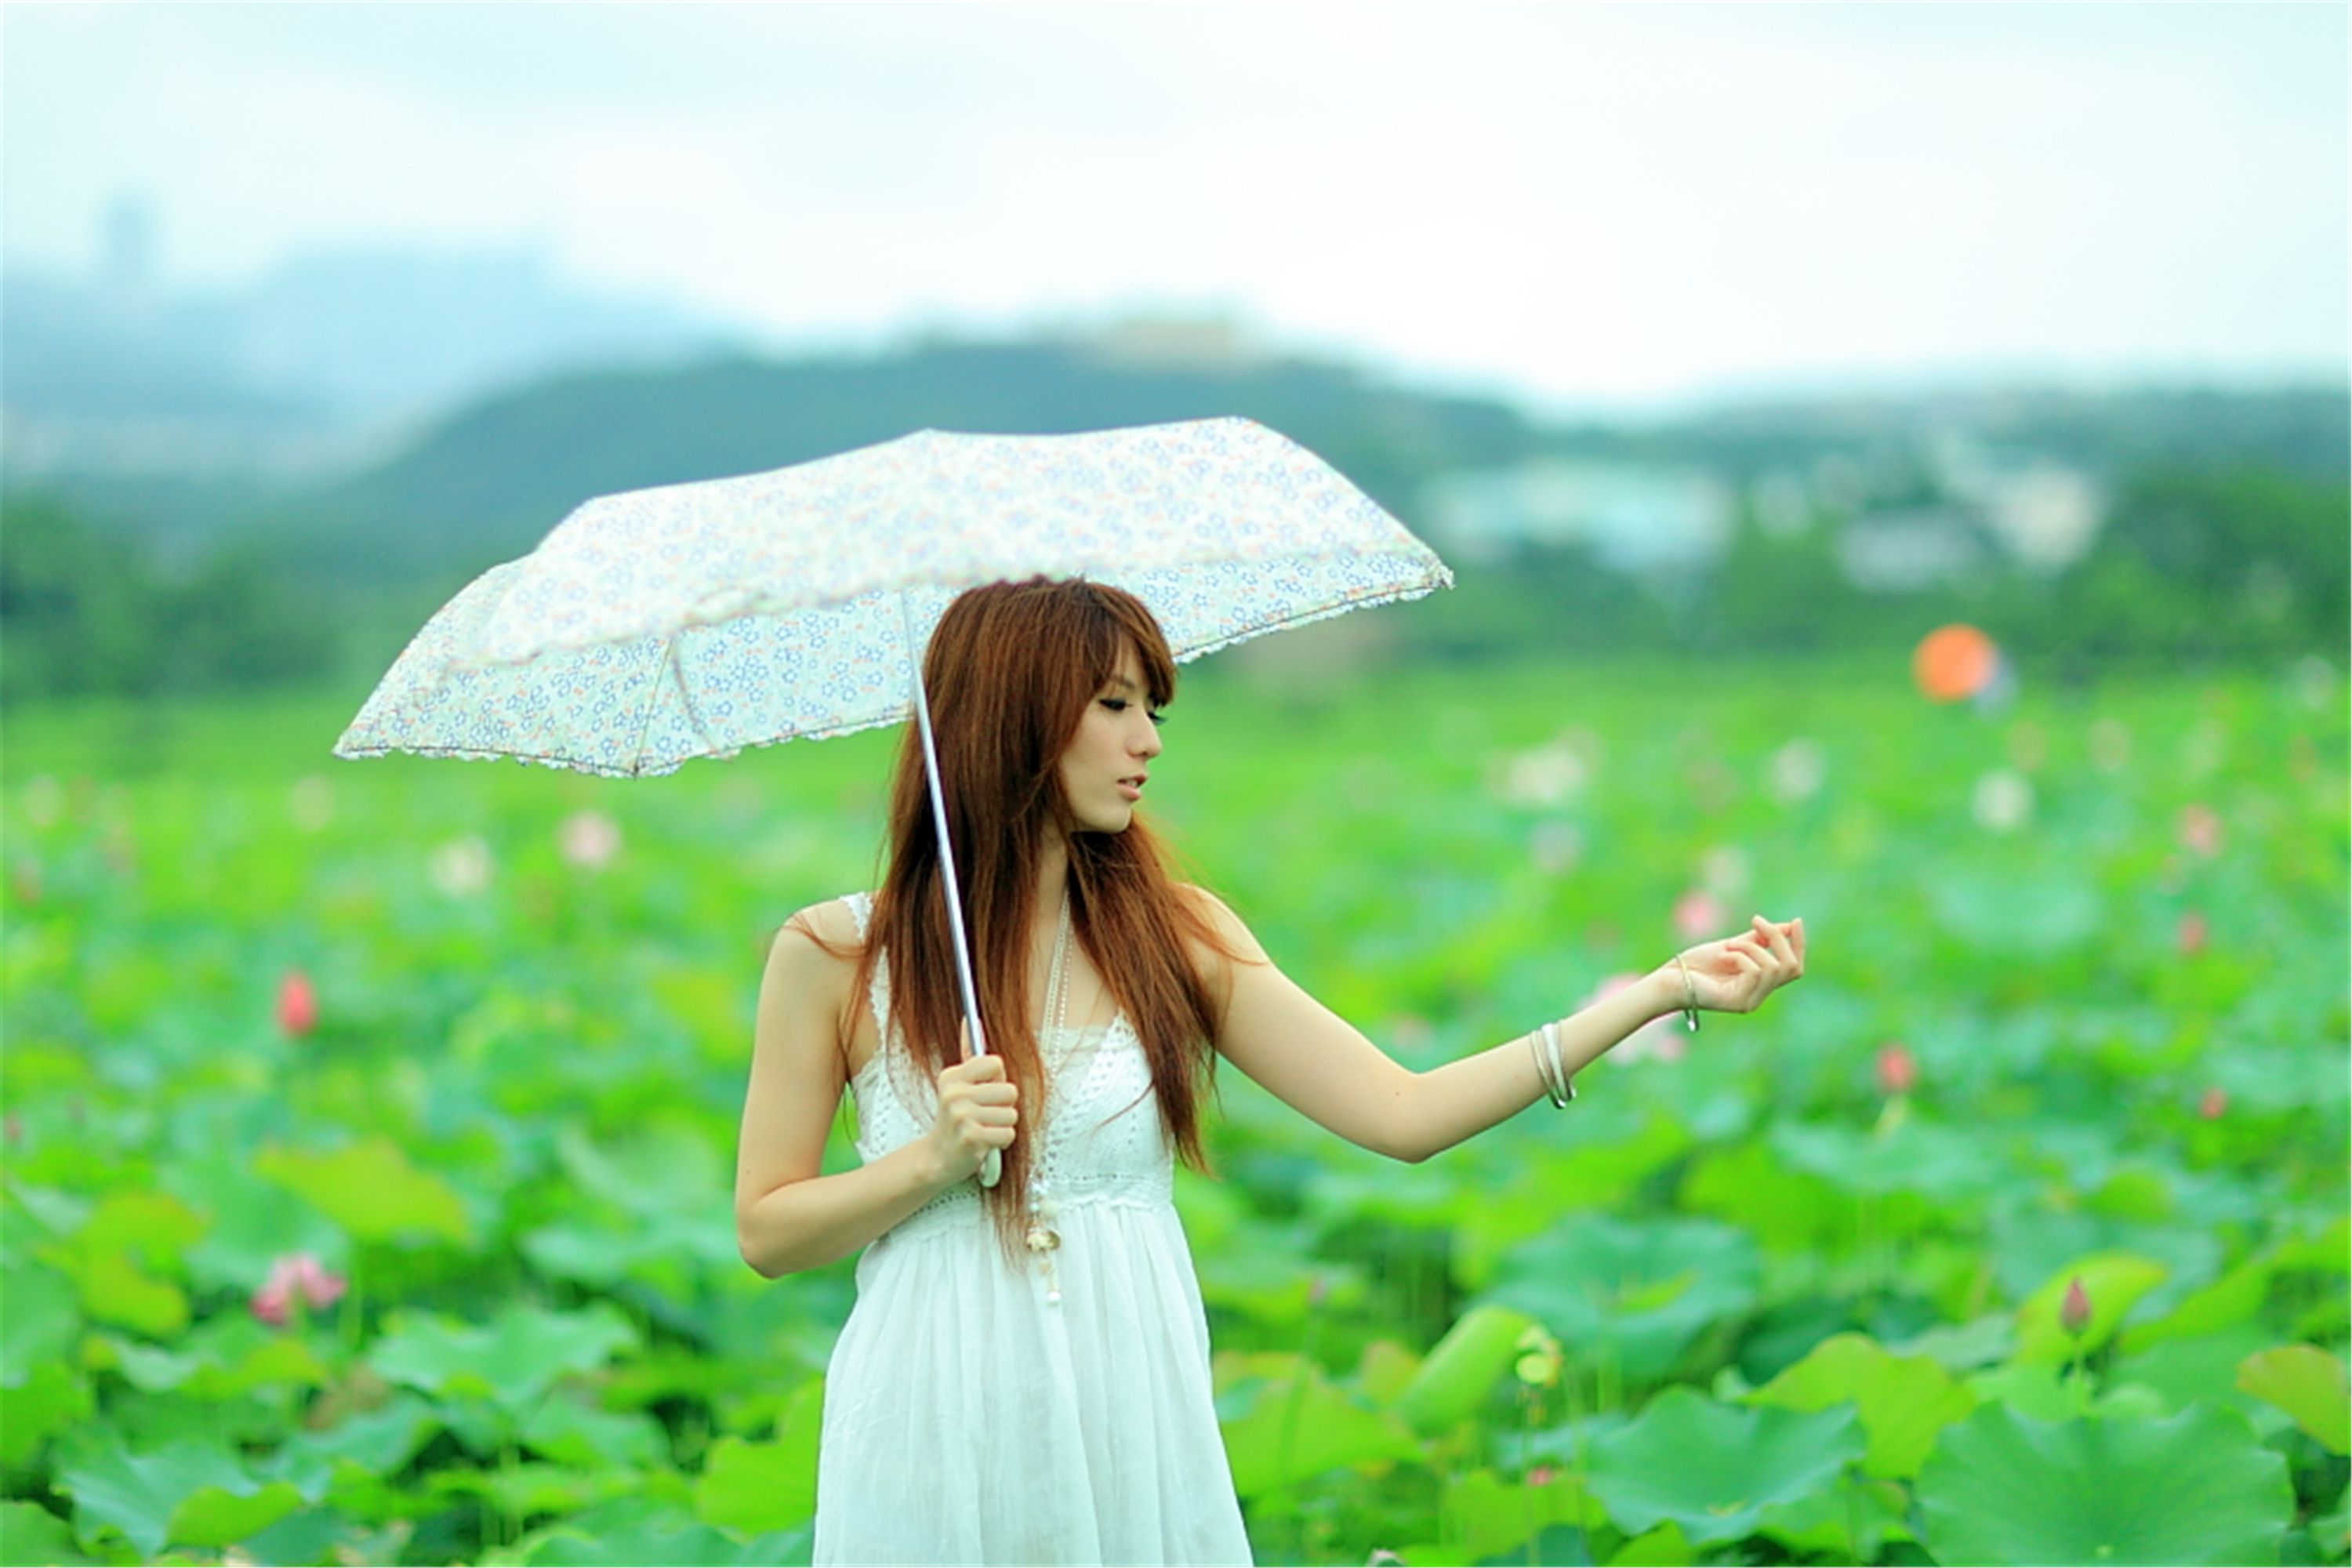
x,y
979,1113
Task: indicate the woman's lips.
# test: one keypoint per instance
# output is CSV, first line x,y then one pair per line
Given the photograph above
x,y
1130,789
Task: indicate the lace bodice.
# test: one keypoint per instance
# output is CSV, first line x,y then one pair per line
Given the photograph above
x,y
1104,1140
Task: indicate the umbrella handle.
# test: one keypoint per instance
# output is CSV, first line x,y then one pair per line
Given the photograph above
x,y
992,1166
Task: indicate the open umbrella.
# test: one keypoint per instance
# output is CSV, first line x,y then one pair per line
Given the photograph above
x,y
659,625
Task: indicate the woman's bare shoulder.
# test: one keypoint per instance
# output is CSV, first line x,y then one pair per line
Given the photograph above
x,y
823,939
1230,932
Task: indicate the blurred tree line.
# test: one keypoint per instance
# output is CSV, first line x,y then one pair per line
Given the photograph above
x,y
2192,564
2200,565
84,612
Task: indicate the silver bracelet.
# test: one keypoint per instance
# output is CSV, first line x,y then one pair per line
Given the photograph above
x,y
1559,1072
1690,996
1544,1046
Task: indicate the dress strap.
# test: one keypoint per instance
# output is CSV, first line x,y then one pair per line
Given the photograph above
x,y
877,995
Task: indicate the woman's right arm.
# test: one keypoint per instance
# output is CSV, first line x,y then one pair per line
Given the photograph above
x,y
789,1216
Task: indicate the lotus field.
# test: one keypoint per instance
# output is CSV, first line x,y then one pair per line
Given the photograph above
x,y
370,1130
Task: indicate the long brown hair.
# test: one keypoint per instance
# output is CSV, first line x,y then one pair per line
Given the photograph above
x,y
1010,672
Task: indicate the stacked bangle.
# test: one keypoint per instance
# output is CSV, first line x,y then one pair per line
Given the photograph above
x,y
1690,996
1544,1046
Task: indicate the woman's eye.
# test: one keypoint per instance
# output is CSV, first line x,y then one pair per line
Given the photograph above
x,y
1120,705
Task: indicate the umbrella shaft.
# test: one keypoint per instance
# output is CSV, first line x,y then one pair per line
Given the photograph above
x,y
950,886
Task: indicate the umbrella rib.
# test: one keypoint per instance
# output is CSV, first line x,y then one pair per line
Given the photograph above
x,y
668,656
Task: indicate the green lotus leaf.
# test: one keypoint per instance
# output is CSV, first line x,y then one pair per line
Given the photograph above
x,y
754,1488
224,1358
2235,1298
626,1531
114,1289
189,1493
1713,1469
48,1401
41,1321
2309,1384
57,1212
1385,1370
513,1360
31,1536
156,1225
1664,1547
1785,1210
1284,1422
379,1441
2195,1487
370,1189
572,1433
1599,1171
1942,1163
658,1169
520,1490
1461,1368
2330,1251
1904,1401
1826,1522
1485,1516
2112,1281
2048,1391
1637,1294
2203,1370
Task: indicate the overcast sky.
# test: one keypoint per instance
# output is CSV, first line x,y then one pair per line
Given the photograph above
x,y
1578,203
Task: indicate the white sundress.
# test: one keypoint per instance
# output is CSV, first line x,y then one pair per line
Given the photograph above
x,y
968,1419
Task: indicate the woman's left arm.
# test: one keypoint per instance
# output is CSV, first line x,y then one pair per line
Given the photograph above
x,y
1323,1067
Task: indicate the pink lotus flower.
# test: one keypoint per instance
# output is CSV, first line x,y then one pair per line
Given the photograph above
x,y
2192,933
2075,1315
1898,1072
589,840
1541,1476
298,1006
299,1274
1697,913
2214,1103
2200,830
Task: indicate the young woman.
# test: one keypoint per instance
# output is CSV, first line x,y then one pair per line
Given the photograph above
x,y
1024,1377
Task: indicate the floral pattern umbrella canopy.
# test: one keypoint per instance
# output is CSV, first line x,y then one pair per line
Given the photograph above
x,y
659,625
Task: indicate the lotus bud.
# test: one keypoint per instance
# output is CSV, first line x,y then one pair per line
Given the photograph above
x,y
2075,1315
298,1006
1898,1073
2214,1103
2192,932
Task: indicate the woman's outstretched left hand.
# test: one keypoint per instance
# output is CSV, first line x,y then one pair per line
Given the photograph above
x,y
1736,974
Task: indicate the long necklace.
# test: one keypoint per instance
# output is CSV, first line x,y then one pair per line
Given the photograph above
x,y
1041,1239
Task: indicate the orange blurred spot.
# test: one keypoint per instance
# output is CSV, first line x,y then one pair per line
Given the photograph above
x,y
1953,662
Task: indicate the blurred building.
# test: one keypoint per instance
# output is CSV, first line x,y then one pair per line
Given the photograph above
x,y
1636,517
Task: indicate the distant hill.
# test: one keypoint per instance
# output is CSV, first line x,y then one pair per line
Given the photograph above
x,y
490,481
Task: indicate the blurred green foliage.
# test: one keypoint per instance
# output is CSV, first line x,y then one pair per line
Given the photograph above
x,y
1750,1299
86,612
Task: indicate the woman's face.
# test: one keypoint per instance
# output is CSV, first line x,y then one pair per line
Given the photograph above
x,y
1102,770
